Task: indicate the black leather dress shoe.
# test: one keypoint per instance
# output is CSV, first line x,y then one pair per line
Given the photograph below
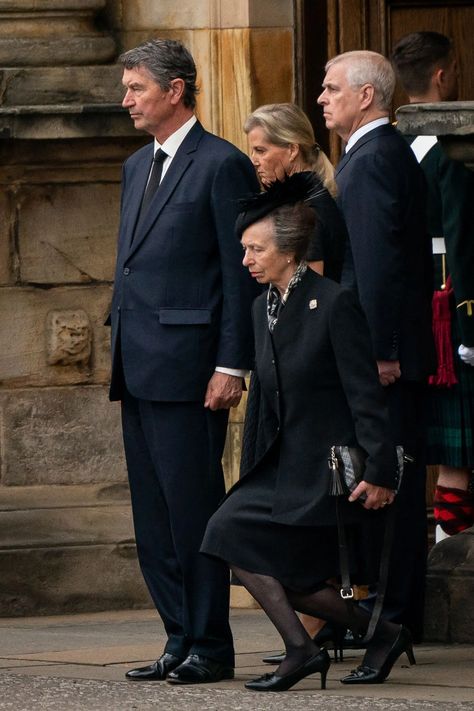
x,y
158,671
199,670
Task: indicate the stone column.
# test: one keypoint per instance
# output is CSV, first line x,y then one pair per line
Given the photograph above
x,y
449,610
66,542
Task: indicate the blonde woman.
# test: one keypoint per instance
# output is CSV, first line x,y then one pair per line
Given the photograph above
x,y
282,142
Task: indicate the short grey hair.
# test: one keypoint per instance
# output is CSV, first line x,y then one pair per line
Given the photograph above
x,y
293,226
366,67
165,60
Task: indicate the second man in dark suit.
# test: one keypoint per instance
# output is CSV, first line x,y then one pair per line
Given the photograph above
x,y
388,262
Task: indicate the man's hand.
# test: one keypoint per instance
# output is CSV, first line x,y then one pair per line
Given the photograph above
x,y
223,391
389,371
377,496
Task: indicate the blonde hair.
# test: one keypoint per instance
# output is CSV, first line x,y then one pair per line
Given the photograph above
x,y
285,124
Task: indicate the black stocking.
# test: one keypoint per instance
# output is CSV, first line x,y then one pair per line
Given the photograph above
x,y
273,599
329,605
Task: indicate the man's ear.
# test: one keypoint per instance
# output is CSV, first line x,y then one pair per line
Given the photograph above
x,y
177,90
366,93
438,77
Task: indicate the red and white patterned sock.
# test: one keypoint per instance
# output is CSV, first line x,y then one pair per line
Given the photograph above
x,y
453,509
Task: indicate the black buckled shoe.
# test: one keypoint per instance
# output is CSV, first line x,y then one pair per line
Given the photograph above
x,y
367,675
158,671
200,670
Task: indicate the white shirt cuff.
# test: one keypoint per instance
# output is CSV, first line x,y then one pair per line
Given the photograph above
x,y
232,371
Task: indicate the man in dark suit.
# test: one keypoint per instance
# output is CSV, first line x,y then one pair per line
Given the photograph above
x,y
388,262
181,342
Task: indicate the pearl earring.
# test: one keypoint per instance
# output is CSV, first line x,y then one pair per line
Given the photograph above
x,y
289,261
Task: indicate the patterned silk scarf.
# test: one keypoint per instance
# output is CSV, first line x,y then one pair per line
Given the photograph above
x,y
275,302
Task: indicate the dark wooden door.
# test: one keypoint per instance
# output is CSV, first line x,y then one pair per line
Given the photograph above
x,y
328,27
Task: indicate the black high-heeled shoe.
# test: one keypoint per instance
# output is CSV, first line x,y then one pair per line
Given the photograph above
x,y
327,634
367,675
273,682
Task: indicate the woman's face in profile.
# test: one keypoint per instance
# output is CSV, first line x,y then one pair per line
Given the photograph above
x,y
270,161
262,257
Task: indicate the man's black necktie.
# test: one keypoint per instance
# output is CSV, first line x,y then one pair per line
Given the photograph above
x,y
154,181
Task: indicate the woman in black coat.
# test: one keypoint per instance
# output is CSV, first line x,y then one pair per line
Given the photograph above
x,y
314,385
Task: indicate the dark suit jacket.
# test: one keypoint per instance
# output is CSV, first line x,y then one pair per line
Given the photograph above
x,y
181,303
315,385
382,197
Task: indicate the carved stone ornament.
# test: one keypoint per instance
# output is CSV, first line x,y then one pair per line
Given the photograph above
x,y
69,337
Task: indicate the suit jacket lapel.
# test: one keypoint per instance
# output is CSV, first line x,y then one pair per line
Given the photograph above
x,y
179,165
380,130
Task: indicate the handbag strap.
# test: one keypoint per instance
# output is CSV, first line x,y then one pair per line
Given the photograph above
x,y
347,591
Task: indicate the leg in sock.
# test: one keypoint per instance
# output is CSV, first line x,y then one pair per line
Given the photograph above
x,y
453,503
273,599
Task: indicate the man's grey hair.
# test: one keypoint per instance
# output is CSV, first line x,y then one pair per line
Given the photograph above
x,y
165,60
366,67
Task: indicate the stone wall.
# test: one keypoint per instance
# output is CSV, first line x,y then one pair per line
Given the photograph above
x,y
66,542
243,50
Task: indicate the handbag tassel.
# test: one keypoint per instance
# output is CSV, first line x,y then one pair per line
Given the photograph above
x,y
337,487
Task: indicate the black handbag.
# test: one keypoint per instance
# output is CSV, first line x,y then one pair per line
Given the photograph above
x,y
347,465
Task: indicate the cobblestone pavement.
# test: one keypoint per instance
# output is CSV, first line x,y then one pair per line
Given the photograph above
x,y
19,693
77,663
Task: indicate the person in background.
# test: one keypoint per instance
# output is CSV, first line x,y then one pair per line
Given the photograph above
x,y
315,383
425,63
381,194
181,343
282,142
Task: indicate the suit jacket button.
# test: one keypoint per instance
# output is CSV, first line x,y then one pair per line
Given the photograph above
x,y
126,271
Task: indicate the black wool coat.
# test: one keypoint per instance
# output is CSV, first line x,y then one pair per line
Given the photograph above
x,y
315,384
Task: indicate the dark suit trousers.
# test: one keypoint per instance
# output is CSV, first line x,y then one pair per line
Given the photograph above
x,y
404,599
173,453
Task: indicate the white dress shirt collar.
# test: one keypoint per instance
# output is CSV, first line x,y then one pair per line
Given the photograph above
x,y
365,129
173,142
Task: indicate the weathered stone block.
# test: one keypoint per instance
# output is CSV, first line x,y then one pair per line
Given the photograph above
x,y
61,85
436,619
68,233
52,32
449,610
60,436
24,317
144,14
70,579
462,608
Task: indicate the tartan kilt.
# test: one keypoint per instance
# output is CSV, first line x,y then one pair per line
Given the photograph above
x,y
451,414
